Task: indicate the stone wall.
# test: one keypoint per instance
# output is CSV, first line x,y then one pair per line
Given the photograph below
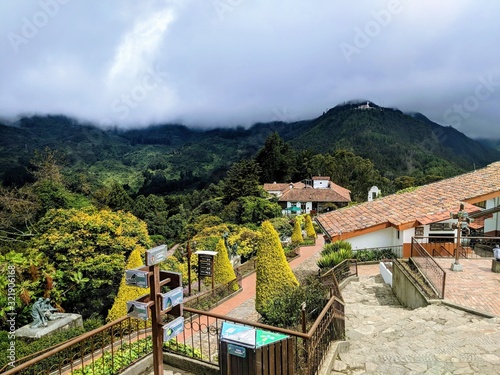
x,y
408,294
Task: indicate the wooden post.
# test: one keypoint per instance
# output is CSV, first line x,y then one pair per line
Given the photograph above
x,y
189,267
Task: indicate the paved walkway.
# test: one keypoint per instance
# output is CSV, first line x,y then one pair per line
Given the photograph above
x,y
386,338
242,305
475,287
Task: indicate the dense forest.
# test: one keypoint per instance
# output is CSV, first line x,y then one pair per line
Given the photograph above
x,y
77,200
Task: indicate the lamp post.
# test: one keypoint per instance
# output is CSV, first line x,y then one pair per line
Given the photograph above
x,y
189,265
461,216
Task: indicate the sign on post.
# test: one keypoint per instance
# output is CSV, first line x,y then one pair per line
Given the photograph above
x,y
137,277
205,262
172,329
172,298
138,310
156,255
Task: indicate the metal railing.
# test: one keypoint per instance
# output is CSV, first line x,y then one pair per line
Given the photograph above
x,y
211,298
378,253
115,345
429,268
102,350
202,335
441,252
471,247
334,276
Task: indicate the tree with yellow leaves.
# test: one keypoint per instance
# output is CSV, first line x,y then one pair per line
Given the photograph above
x,y
297,238
127,292
274,275
223,269
311,233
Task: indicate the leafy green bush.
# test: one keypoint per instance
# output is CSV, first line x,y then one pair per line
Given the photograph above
x,y
285,311
334,253
373,255
110,364
26,347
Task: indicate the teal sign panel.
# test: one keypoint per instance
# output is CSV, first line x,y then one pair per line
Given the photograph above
x,y
236,350
172,329
137,278
172,298
263,338
156,255
138,310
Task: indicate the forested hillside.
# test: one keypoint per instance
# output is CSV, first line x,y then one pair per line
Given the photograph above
x,y
76,200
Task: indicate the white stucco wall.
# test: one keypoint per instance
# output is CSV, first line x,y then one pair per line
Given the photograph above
x,y
492,224
380,238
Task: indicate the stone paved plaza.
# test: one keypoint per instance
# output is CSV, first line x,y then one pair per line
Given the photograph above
x,y
386,338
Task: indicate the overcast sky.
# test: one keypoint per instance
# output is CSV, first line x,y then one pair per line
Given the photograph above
x,y
236,62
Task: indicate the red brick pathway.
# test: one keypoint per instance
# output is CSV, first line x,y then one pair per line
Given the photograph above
x,y
475,287
248,283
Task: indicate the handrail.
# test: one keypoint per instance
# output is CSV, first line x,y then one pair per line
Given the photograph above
x,y
63,346
428,263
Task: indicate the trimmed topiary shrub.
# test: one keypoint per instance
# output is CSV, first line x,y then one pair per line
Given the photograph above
x,y
127,292
297,238
274,275
308,226
223,269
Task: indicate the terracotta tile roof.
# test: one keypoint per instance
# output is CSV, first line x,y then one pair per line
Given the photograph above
x,y
308,194
321,178
426,204
301,192
346,193
276,187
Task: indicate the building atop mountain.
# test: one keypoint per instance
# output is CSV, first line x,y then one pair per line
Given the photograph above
x,y
316,195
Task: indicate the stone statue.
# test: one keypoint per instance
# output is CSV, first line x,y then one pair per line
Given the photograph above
x,y
38,314
48,310
41,312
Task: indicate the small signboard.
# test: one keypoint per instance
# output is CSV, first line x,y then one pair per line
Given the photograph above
x,y
156,255
205,262
172,329
138,310
266,337
172,298
238,351
137,277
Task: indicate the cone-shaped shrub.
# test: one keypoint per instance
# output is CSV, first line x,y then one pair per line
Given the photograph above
x,y
274,274
223,269
127,292
309,227
297,234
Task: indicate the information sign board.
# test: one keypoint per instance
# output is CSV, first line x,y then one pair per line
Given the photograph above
x,y
172,329
138,310
156,255
137,277
172,298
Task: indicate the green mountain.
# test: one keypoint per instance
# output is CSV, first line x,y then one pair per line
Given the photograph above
x,y
397,143
172,157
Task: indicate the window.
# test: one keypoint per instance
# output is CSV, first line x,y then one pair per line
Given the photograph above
x,y
303,206
480,204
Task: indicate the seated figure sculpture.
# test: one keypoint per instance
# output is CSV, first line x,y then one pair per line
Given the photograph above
x,y
41,312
